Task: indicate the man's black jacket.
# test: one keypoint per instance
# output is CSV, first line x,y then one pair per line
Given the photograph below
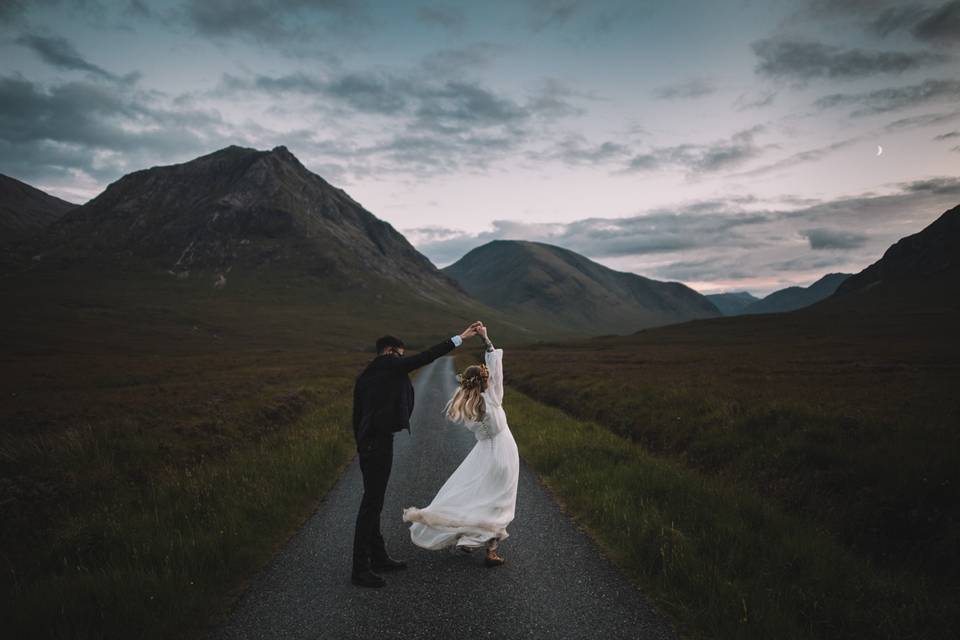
x,y
383,394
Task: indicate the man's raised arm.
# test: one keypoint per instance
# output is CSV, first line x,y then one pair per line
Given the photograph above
x,y
425,357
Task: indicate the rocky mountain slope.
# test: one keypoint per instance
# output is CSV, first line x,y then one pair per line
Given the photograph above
x,y
237,209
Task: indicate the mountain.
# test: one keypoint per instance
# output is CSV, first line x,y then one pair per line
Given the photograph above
x,y
26,210
240,244
239,210
793,298
931,254
732,304
919,273
536,282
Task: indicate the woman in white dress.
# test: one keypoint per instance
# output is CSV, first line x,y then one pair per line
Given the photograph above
x,y
477,502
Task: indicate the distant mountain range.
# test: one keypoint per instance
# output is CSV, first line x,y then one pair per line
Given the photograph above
x,y
793,298
789,299
238,214
733,303
25,211
539,283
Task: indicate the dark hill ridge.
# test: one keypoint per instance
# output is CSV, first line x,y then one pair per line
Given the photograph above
x,y
918,274
733,303
793,298
532,280
932,253
238,207
25,211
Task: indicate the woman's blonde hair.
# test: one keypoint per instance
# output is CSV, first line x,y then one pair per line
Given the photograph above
x,y
467,401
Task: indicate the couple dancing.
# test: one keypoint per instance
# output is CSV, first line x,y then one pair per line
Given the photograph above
x,y
474,506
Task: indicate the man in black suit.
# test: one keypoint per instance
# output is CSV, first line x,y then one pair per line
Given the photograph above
x,y
382,405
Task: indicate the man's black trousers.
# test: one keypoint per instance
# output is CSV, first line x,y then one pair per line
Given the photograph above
x,y
376,460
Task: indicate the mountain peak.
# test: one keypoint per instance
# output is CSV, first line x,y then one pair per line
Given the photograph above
x,y
236,207
534,279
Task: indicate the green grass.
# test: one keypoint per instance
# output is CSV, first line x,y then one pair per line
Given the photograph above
x,y
848,422
720,559
150,552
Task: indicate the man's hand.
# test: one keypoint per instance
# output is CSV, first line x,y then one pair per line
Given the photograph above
x,y
472,330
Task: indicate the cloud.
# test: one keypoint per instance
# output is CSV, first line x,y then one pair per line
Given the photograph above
x,y
895,18
444,104
941,26
938,186
800,157
726,243
297,28
543,14
895,98
804,60
432,124
59,52
928,22
922,120
701,158
448,17
454,105
575,150
825,238
948,135
138,9
696,88
459,61
938,25
756,100
95,129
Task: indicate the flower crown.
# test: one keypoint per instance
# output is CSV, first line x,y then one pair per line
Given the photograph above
x,y
476,380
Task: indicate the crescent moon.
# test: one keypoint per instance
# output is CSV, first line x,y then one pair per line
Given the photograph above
x,y
879,150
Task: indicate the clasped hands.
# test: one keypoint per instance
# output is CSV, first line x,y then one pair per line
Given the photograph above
x,y
477,328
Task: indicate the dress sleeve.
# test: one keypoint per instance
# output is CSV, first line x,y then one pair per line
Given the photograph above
x,y
494,362
480,430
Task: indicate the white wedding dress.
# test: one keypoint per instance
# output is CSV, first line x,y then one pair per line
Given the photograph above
x,y
477,501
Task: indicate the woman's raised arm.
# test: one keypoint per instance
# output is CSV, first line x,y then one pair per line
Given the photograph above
x,y
494,362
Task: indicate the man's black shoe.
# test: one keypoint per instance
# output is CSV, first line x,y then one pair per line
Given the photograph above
x,y
386,563
367,578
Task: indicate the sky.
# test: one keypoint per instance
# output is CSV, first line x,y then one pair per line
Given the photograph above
x,y
727,144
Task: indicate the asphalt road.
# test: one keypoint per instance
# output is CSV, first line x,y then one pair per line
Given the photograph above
x,y
555,583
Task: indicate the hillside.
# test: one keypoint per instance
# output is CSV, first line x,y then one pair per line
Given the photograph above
x,y
793,298
245,240
920,272
241,209
25,211
533,282
732,304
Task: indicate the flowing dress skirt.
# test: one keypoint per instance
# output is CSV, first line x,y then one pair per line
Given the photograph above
x,y
477,501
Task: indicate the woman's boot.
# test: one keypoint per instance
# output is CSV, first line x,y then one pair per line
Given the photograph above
x,y
492,559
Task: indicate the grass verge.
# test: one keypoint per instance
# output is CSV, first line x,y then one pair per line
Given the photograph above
x,y
147,551
718,558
